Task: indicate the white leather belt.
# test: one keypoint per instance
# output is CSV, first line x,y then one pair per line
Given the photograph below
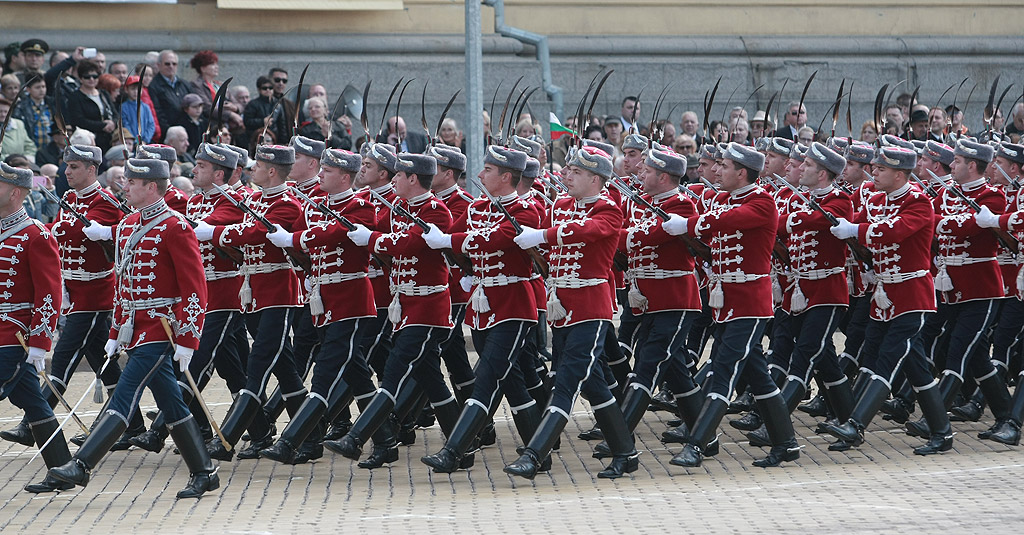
x,y
334,278
650,272
82,275
574,282
6,308
961,260
220,275
498,280
816,274
414,290
736,277
145,304
896,278
263,268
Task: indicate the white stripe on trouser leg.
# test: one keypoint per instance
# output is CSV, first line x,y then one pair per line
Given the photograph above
x,y
137,395
899,362
348,358
822,344
974,341
280,349
746,353
513,354
76,357
668,356
412,364
207,370
593,359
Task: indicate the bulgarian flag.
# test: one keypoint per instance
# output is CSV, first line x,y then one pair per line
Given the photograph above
x,y
557,130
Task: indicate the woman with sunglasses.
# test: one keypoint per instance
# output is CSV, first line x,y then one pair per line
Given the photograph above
x,y
89,107
257,111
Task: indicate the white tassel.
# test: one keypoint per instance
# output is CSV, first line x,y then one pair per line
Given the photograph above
x,y
316,302
798,302
125,333
1020,280
776,289
942,281
637,299
881,298
868,277
555,309
716,299
395,310
245,293
479,300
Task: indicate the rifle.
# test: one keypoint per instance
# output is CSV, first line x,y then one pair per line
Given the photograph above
x,y
697,248
383,261
1013,182
538,259
298,257
107,245
460,260
859,250
120,205
1005,238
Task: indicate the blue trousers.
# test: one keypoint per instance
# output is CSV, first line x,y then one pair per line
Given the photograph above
x,y
341,361
19,382
149,365
416,354
498,371
577,349
661,348
738,354
896,345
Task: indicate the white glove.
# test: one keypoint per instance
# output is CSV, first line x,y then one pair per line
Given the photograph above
x,y
281,237
986,219
111,347
204,231
182,355
530,237
308,284
436,239
97,232
360,235
37,358
844,229
466,283
676,225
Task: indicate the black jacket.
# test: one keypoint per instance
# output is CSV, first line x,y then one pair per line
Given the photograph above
x,y
167,99
82,112
340,138
255,111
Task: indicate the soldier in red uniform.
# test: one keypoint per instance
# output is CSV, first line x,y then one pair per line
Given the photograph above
x,y
897,226
583,235
741,230
175,198
663,293
30,309
817,293
1009,157
269,295
503,310
340,304
88,276
217,347
419,286
245,164
159,308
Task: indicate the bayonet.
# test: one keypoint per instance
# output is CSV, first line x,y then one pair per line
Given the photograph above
x,y
364,119
398,109
216,113
504,110
384,118
437,132
593,99
697,248
423,110
298,99
803,94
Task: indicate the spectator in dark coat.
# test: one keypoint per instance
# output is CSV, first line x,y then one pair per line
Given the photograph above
x,y
91,108
167,90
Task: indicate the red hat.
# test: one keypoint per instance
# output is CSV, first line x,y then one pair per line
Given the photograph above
x,y
132,80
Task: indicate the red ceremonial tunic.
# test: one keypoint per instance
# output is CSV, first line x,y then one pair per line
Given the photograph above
x,y
223,280
540,204
267,276
502,286
457,201
898,229
30,271
340,284
741,229
419,274
175,199
1012,221
87,272
818,259
378,279
583,236
159,276
966,260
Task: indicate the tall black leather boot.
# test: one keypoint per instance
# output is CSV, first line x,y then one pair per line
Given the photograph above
x,y
54,454
1008,431
779,425
408,405
941,438
300,426
539,447
274,406
840,396
202,474
460,439
153,439
292,404
688,407
972,410
376,412
791,395
240,415
338,413
852,431
702,433
634,405
21,434
998,396
620,440
949,387
901,406
76,471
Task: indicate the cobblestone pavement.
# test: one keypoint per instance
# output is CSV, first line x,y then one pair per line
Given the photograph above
x,y
881,486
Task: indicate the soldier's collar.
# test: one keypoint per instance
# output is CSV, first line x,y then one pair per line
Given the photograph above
x,y
341,195
665,195
211,193
420,199
446,192
898,193
88,191
307,185
941,181
275,190
505,199
13,219
974,185
384,190
153,210
587,200
821,192
737,193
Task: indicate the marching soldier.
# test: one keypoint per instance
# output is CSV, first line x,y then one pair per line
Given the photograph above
x,y
897,225
741,232
217,347
419,286
159,309
28,317
176,200
503,311
269,295
340,303
584,225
